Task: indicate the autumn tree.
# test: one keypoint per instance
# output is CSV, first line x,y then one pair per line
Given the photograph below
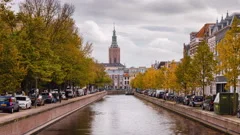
x,y
172,78
149,79
203,66
185,75
160,78
229,56
137,82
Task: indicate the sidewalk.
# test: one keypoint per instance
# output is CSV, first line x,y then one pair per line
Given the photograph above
x,y
8,118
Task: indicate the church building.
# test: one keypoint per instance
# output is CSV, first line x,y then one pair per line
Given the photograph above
x,y
114,68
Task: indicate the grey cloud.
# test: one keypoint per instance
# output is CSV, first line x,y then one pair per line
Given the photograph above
x,y
160,28
174,8
141,21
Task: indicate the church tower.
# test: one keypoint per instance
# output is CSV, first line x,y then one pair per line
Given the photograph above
x,y
114,50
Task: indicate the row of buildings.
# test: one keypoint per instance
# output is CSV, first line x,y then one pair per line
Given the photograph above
x,y
120,75
212,33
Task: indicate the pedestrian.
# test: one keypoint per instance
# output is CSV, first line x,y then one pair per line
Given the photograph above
x,y
66,94
35,102
60,97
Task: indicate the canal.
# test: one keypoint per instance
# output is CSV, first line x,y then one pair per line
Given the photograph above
x,y
126,115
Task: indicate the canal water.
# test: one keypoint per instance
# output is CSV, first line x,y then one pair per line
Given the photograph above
x,y
126,115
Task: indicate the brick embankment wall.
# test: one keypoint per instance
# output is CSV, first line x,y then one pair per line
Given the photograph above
x,y
29,120
115,92
223,123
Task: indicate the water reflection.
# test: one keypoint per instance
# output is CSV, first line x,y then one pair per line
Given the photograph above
x,y
126,115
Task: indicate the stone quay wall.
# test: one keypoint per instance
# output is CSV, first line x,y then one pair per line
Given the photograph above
x,y
115,92
219,122
32,120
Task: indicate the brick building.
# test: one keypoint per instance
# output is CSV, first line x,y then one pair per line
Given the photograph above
x,y
114,68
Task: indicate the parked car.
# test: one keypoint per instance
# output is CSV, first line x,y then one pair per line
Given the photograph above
x,y
238,112
186,99
196,101
138,91
170,96
208,103
70,93
39,100
145,92
63,95
179,99
160,93
9,103
55,96
153,93
150,92
24,102
80,92
48,97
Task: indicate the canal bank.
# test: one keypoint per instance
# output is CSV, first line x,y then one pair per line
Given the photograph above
x,y
225,124
29,121
126,115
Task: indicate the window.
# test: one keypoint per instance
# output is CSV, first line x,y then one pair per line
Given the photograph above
x,y
21,98
115,60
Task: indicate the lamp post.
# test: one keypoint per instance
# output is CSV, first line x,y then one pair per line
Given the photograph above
x,y
36,91
36,82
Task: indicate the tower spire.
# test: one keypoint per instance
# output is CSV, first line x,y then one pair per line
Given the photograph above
x,y
114,26
114,37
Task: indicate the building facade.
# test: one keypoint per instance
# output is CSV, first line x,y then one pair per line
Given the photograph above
x,y
197,38
217,34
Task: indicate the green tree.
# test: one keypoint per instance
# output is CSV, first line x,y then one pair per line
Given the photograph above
x,y
203,66
12,70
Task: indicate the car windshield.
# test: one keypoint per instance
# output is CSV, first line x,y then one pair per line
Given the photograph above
x,y
199,97
45,94
21,98
3,99
55,94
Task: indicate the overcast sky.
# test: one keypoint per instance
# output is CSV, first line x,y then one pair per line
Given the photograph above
x,y
147,30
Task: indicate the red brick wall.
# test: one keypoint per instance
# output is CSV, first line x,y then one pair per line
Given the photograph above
x,y
114,53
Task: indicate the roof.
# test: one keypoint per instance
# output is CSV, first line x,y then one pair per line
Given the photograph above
x,y
204,30
162,63
112,65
